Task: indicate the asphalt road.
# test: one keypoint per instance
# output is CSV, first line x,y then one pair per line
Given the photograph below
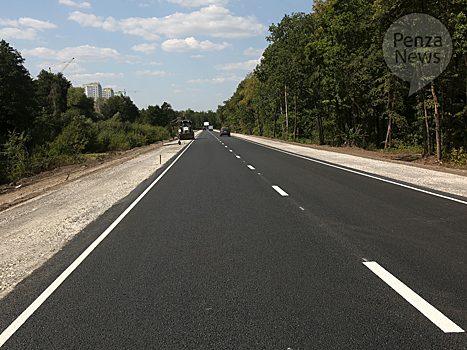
x,y
214,256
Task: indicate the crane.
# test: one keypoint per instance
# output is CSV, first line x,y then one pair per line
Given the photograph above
x,y
124,91
66,65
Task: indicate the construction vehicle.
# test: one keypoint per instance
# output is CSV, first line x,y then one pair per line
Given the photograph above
x,y
185,130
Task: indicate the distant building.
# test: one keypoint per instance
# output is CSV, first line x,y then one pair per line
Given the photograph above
x,y
107,93
118,93
93,90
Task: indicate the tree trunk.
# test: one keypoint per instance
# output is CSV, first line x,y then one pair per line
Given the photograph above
x,y
275,118
295,122
259,127
320,128
376,121
320,131
286,115
437,123
387,142
426,127
465,59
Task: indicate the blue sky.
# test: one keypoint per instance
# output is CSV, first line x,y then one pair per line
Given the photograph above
x,y
189,53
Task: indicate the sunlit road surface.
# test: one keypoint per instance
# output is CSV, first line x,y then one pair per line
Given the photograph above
x,y
239,246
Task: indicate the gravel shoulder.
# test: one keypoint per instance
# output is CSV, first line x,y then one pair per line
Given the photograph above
x,y
423,172
45,212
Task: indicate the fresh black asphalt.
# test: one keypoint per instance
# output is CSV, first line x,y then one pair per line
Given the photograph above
x,y
214,258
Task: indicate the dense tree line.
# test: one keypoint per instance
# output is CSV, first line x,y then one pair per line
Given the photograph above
x,y
323,79
45,122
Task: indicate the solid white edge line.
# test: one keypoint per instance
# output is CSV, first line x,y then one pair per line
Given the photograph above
x,y
12,328
435,316
280,191
360,173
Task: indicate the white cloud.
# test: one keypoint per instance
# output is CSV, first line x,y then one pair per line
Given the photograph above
x,y
216,80
253,52
36,24
24,28
191,44
98,76
90,77
249,65
196,56
157,73
27,22
84,53
86,5
9,22
147,4
90,20
16,33
146,48
199,3
152,64
212,21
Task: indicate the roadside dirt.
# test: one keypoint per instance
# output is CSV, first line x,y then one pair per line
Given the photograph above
x,y
34,186
407,158
27,188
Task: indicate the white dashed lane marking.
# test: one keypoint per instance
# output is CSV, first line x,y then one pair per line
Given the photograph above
x,y
444,323
280,191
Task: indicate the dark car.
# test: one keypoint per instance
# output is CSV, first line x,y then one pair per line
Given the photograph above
x,y
225,131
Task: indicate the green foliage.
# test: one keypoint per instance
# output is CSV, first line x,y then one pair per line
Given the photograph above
x,y
46,123
77,100
158,116
123,105
116,135
51,92
323,78
73,139
456,156
16,155
16,92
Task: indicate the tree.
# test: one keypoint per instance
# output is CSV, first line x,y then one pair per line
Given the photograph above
x,y
77,100
157,116
128,110
17,103
51,92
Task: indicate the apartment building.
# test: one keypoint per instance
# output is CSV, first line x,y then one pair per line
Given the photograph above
x,y
107,93
93,90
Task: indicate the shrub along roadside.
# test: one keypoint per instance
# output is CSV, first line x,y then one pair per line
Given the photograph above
x,y
79,137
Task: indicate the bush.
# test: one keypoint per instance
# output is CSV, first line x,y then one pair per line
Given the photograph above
x,y
73,139
17,161
152,133
122,141
456,156
80,136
